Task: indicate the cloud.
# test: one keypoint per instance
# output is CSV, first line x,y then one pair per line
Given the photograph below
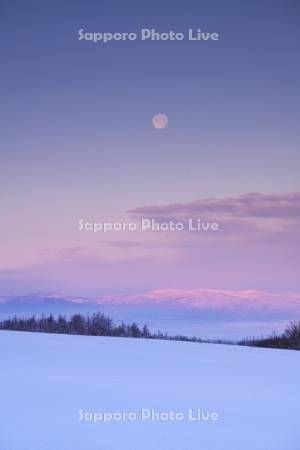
x,y
110,252
252,217
249,205
12,273
138,244
74,253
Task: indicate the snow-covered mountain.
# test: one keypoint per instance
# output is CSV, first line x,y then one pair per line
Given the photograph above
x,y
214,301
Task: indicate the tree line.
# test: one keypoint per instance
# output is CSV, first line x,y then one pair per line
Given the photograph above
x,y
289,339
96,324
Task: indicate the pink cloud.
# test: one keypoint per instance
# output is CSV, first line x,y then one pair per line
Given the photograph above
x,y
253,217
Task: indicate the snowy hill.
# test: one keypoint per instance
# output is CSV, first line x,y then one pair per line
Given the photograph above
x,y
222,397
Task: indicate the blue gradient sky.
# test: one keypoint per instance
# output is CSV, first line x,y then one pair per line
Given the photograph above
x,y
77,139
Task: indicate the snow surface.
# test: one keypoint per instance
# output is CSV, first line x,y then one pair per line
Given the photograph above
x,y
46,379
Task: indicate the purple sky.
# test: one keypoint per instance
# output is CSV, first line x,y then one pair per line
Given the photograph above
x,y
78,143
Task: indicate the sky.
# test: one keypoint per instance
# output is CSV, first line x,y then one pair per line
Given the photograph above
x,y
77,142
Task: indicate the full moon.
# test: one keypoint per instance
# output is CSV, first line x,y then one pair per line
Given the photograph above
x,y
160,121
